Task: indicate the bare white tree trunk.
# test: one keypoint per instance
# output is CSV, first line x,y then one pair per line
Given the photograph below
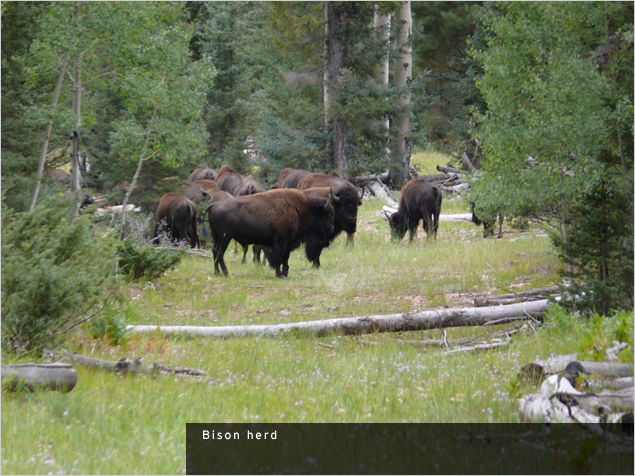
x,y
77,104
327,71
402,146
381,24
367,324
47,135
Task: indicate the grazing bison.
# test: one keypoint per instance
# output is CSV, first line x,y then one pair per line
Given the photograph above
x,y
176,214
346,213
228,179
278,219
197,194
289,178
202,174
420,200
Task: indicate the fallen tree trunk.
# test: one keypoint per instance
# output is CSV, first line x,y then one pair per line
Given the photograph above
x,y
449,170
136,366
367,324
510,298
57,376
604,369
617,401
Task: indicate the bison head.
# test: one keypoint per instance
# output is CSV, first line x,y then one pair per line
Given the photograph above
x,y
398,226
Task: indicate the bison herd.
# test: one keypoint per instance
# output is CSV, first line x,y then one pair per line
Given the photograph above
x,y
302,208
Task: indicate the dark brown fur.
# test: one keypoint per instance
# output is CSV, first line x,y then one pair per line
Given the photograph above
x,y
289,178
228,180
420,200
279,219
179,214
346,213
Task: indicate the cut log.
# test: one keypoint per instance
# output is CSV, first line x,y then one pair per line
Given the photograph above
x,y
605,369
426,320
371,178
57,376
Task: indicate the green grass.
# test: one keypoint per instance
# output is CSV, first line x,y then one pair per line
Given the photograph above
x,y
117,424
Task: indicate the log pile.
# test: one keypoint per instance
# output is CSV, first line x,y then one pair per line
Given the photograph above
x,y
610,402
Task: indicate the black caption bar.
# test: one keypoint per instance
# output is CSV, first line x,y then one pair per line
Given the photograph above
x,y
330,448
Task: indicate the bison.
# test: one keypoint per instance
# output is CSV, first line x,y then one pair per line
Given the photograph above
x,y
248,186
202,174
289,178
176,214
228,179
278,219
420,200
196,194
346,211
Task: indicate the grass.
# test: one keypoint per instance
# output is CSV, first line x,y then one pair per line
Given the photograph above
x,y
124,424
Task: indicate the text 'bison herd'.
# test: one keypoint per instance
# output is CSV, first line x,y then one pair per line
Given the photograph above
x,y
301,208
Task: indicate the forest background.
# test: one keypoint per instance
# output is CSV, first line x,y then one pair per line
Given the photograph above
x,y
157,89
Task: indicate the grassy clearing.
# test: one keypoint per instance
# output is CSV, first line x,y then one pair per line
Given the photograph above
x,y
115,424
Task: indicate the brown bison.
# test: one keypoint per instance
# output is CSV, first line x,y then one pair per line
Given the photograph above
x,y
176,214
420,200
289,178
278,219
346,213
202,174
248,186
228,179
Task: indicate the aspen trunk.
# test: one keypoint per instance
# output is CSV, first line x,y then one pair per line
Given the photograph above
x,y
402,145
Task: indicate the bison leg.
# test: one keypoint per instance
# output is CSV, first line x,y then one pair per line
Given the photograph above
x,y
245,250
412,227
350,239
219,255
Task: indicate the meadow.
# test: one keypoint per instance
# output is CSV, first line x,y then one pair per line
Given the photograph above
x,y
136,424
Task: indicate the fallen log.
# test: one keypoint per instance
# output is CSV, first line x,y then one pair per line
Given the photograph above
x,y
449,170
56,376
604,369
605,402
379,190
539,293
496,345
402,322
127,366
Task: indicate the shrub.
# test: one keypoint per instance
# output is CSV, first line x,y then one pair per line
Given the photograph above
x,y
55,273
142,261
111,324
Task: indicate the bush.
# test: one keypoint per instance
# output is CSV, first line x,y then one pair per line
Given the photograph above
x,y
142,261
111,324
593,334
55,273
